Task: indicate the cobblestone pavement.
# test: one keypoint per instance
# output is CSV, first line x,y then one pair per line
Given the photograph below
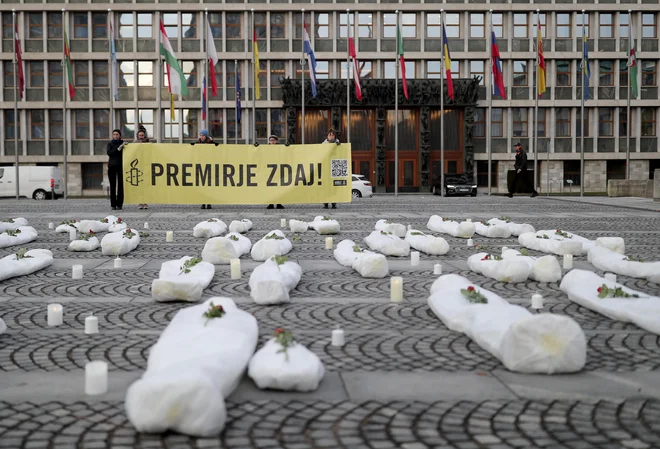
x,y
403,380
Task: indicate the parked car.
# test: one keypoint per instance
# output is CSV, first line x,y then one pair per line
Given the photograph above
x,y
35,182
362,187
455,185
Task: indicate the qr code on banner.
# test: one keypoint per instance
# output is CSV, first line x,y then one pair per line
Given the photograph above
x,y
339,168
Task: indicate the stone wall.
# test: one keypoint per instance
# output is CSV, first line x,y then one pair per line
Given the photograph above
x,y
595,176
639,170
75,179
556,175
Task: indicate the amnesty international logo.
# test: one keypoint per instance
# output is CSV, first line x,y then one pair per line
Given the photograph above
x,y
134,175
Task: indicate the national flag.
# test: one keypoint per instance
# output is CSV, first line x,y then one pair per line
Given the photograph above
x,y
540,71
175,78
67,63
632,64
499,88
238,96
212,56
445,50
19,62
356,70
586,73
113,59
255,50
402,59
204,98
311,59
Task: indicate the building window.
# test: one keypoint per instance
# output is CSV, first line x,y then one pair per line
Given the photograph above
x,y
215,21
623,122
190,72
648,122
623,73
80,29
498,25
321,24
606,27
170,22
231,125
277,71
520,73
649,71
624,24
56,124
100,25
92,175
606,122
101,123
126,25
365,25
81,73
616,169
35,25
54,25
260,24
578,25
322,70
55,71
82,124
390,70
479,128
231,75
190,124
277,123
10,124
408,25
563,122
540,123
189,25
477,69
261,123
564,26
37,74
215,123
146,73
520,122
278,25
234,25
8,67
37,125
541,18
342,24
520,26
649,26
606,73
572,172
434,26
100,77
497,122
145,25
477,25
563,73
7,27
482,173
364,68
434,70
578,123
146,119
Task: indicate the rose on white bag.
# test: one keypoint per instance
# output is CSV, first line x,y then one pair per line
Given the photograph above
x,y
182,280
271,282
82,245
393,228
387,243
97,226
12,224
20,236
298,226
368,264
500,269
24,262
500,231
324,225
119,243
557,242
607,260
273,244
118,225
541,269
221,250
66,226
436,246
464,230
209,228
515,228
240,226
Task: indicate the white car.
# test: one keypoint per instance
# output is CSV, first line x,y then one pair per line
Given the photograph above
x,y
362,187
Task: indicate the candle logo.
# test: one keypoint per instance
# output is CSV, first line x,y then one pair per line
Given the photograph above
x,y
134,174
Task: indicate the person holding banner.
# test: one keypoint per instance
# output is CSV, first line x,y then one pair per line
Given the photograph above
x,y
115,170
204,138
142,138
331,138
273,140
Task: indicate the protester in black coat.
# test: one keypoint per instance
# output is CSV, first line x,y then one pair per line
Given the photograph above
x,y
115,147
520,167
274,140
331,138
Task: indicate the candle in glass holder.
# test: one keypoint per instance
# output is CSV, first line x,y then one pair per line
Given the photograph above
x,y
77,272
235,266
537,301
396,288
328,243
283,223
91,325
96,377
117,262
55,314
73,234
470,242
437,269
338,337
610,277
51,226
146,225
414,258
568,261
469,220
169,236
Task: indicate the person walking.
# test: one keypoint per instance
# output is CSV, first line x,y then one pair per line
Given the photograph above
x,y
273,140
142,137
115,170
331,137
520,167
204,138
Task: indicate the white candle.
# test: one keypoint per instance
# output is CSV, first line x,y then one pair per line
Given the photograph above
x,y
73,234
470,242
169,236
96,377
469,220
537,301
568,261
437,269
55,312
235,265
117,262
504,248
610,277
396,288
91,325
328,243
77,272
338,337
414,258
283,223
409,227
51,226
146,225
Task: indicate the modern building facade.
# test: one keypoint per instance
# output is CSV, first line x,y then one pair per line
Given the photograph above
x,y
144,101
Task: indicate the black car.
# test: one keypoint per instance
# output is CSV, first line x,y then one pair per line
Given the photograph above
x,y
455,185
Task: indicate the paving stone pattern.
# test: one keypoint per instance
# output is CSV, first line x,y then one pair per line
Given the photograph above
x,y
381,337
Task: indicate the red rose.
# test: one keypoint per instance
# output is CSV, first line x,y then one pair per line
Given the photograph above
x,y
119,220
91,232
559,230
279,331
600,289
470,289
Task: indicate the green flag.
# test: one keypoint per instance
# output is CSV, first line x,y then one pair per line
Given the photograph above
x,y
402,61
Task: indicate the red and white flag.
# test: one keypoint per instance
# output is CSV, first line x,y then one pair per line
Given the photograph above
x,y
356,68
212,56
19,62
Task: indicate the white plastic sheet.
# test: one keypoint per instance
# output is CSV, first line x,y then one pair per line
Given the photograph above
x,y
395,228
193,367
12,224
615,244
515,228
368,264
240,226
323,226
607,260
221,250
115,244
209,228
541,269
271,283
464,230
505,270
436,246
298,226
10,266
27,234
501,231
84,245
554,243
388,244
84,226
174,284
269,247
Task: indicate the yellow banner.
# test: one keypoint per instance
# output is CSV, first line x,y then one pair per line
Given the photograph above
x,y
160,173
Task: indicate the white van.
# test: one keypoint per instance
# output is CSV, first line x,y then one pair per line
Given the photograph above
x,y
35,182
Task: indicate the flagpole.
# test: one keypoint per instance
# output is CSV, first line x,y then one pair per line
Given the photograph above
x,y
396,110
254,85
111,69
442,105
348,78
584,41
536,103
159,93
16,93
206,70
302,64
631,36
489,118
64,136
236,100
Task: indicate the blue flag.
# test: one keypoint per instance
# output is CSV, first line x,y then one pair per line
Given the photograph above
x,y
238,98
586,73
